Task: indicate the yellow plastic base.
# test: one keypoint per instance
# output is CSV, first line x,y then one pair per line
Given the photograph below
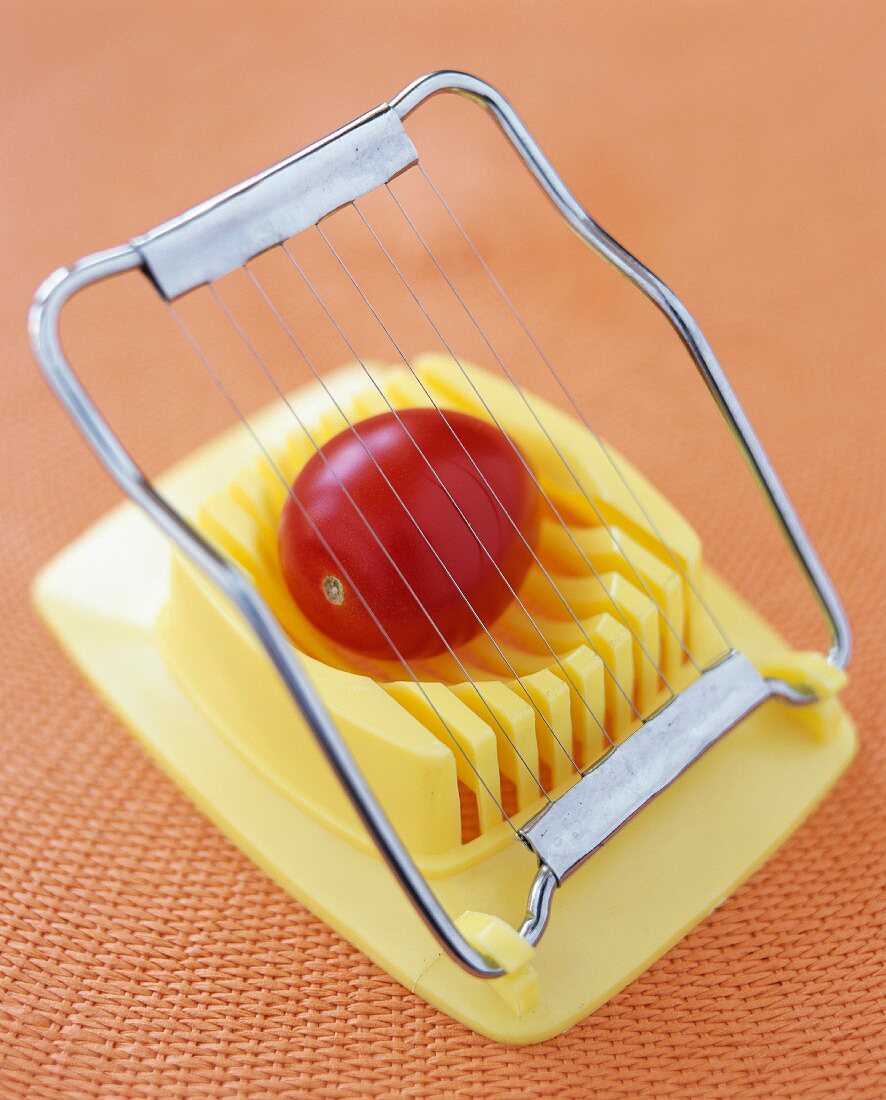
x,y
664,872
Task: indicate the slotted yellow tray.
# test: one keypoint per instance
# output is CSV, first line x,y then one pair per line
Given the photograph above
x,y
107,598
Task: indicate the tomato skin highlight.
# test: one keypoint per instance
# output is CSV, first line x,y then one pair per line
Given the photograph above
x,y
446,511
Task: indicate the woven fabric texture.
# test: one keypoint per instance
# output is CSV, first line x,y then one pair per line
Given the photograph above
x,y
739,148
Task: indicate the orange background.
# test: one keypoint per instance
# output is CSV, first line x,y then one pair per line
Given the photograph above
x,y
738,147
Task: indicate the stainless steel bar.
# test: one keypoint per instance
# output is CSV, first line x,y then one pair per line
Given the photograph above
x,y
571,829
222,234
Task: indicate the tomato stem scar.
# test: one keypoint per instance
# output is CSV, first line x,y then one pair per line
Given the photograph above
x,y
333,590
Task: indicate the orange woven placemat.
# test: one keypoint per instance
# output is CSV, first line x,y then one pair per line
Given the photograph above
x,y
740,147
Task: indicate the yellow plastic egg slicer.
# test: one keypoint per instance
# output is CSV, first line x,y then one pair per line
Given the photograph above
x,y
514,828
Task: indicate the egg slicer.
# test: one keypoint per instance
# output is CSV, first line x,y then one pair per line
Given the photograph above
x,y
518,827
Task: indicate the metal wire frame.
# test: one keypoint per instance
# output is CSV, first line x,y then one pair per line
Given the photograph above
x,y
43,323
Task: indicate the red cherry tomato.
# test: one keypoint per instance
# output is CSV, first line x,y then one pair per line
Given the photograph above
x,y
350,491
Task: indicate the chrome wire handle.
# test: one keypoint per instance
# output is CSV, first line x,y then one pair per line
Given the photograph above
x,y
217,236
